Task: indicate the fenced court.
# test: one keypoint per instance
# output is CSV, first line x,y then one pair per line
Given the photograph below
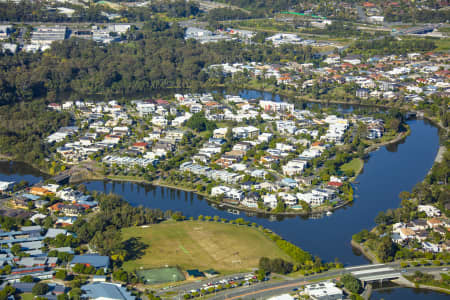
x,y
160,275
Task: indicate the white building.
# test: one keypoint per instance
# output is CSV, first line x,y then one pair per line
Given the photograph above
x,y
6,185
159,121
324,290
145,108
245,132
311,199
270,200
288,199
294,167
274,106
430,210
227,192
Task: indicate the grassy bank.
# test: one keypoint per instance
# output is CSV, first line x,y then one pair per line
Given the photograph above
x,y
356,165
201,245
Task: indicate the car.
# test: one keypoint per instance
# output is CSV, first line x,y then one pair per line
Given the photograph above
x,y
404,271
445,269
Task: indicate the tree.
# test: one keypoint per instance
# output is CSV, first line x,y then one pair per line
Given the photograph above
x,y
264,263
40,288
108,241
62,297
382,219
16,249
260,274
351,283
386,249
75,293
199,123
61,274
27,278
7,291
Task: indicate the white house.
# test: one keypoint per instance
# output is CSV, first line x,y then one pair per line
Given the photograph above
x,y
245,132
227,192
311,199
270,200
288,199
294,167
430,210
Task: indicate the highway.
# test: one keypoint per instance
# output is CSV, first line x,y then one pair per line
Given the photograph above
x,y
266,289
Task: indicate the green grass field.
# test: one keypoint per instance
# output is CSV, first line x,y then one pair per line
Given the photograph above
x,y
355,164
201,245
27,296
443,44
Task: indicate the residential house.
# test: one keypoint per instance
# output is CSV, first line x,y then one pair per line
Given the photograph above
x,y
294,167
429,210
433,223
270,200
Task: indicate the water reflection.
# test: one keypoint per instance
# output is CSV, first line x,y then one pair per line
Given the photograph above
x,y
401,293
18,171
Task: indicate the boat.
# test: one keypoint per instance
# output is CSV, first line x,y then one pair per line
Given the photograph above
x,y
233,211
329,213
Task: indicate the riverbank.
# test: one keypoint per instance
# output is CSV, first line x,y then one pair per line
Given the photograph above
x,y
365,252
398,138
402,281
234,208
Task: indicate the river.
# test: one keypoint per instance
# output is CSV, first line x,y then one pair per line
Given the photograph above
x,y
387,172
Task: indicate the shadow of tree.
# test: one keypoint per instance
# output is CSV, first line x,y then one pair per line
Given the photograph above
x,y
135,248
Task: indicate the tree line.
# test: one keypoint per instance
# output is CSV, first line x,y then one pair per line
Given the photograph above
x,y
23,128
38,11
389,45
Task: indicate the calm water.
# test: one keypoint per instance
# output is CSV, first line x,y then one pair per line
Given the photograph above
x,y
18,171
407,294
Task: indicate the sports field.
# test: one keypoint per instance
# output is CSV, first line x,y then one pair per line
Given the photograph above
x,y
201,245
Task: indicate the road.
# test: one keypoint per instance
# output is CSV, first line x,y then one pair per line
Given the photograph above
x,y
263,290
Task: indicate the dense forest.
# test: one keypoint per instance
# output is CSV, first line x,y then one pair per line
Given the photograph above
x,y
24,126
157,57
222,14
420,16
262,7
39,11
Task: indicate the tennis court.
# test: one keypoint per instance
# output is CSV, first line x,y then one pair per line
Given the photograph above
x,y
160,275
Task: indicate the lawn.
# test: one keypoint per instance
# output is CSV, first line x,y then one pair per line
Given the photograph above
x,y
355,164
201,245
443,44
27,296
